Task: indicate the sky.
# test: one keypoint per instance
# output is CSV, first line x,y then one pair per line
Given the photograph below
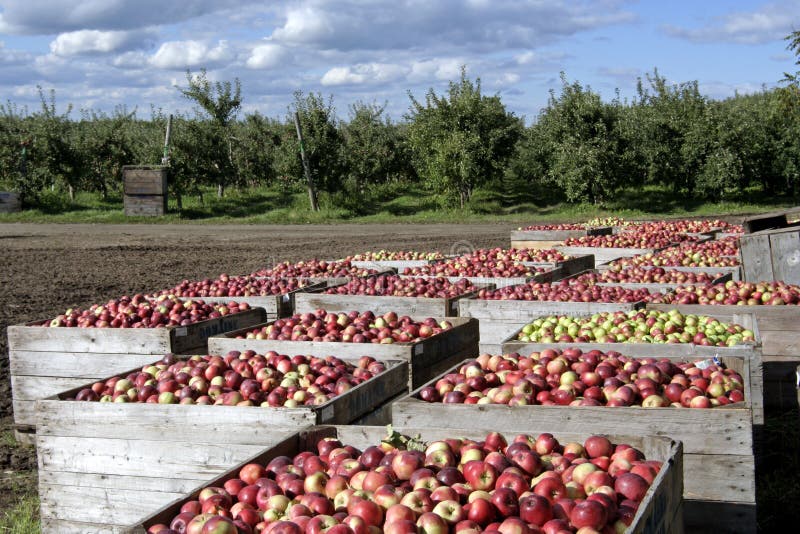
x,y
104,54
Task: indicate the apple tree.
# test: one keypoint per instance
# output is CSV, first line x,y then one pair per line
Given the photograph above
x,y
462,139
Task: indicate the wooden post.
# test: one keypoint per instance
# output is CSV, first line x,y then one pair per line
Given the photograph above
x,y
312,193
165,156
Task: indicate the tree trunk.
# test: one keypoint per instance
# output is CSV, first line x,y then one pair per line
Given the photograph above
x,y
179,201
71,191
220,190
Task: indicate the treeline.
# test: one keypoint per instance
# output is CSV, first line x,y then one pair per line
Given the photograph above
x,y
578,149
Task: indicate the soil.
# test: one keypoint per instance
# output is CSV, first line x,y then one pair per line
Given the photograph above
x,y
47,268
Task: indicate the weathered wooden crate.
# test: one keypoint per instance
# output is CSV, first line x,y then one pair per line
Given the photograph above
x,y
660,510
751,352
715,469
542,239
9,202
498,319
604,255
45,361
552,274
105,465
145,190
667,287
275,306
734,272
427,358
771,255
779,331
765,221
379,304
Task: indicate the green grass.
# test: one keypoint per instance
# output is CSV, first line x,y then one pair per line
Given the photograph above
x,y
391,204
22,518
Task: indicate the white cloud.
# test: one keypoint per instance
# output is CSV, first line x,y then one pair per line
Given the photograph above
x,y
187,54
364,74
95,42
9,56
770,23
267,56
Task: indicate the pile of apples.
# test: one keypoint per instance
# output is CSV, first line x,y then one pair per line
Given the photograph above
x,y
547,255
629,239
353,327
636,326
720,253
237,379
733,293
610,221
564,291
314,269
385,255
465,266
396,286
404,486
684,226
571,377
562,226
235,286
638,275
140,311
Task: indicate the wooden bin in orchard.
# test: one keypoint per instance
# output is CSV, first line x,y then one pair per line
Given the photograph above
x,y
779,331
542,239
145,190
771,255
315,299
275,306
718,462
660,510
426,358
44,361
499,319
9,202
106,465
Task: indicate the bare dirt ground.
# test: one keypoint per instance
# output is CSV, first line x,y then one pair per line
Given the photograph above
x,y
45,269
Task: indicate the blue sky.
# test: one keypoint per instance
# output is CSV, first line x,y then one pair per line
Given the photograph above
x,y
100,54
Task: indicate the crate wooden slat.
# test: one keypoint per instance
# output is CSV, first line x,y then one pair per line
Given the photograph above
x,y
275,306
660,510
125,459
426,358
144,179
656,287
498,319
765,221
543,239
568,267
45,361
778,329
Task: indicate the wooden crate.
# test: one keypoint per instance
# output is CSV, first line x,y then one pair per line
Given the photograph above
x,y
380,304
9,202
145,179
660,510
771,255
44,361
544,239
427,358
715,469
396,265
751,352
275,306
605,255
553,274
765,221
779,332
665,288
121,461
499,319
734,272
144,205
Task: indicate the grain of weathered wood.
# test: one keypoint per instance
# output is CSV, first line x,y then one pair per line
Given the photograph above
x,y
141,482
557,235
662,501
86,365
756,258
140,180
785,255
603,255
58,526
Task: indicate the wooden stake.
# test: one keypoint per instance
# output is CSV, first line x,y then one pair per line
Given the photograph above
x,y
312,193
